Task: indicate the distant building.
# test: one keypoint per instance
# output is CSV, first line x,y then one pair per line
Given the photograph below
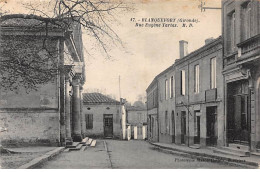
x,y
152,111
51,114
104,117
137,118
241,33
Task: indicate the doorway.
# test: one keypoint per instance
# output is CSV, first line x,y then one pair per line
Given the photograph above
x,y
197,127
108,125
183,126
173,127
211,118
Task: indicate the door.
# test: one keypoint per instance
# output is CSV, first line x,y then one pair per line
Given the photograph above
x,y
197,128
211,119
108,125
241,119
183,127
173,127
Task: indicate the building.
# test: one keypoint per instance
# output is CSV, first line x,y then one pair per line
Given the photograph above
x,y
137,119
51,114
240,29
104,117
199,95
152,111
190,103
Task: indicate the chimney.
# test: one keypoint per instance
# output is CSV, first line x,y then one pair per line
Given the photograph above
x,y
183,48
209,40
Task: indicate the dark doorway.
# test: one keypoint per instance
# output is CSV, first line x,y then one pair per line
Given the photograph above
x,y
197,127
173,127
211,119
238,108
183,126
108,125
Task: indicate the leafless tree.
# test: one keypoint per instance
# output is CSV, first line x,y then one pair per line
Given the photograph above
x,y
24,66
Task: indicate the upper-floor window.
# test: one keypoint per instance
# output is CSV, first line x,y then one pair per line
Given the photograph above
x,y
196,79
166,89
183,82
172,87
232,31
213,77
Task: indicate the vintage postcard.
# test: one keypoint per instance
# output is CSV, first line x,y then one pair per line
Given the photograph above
x,y
129,84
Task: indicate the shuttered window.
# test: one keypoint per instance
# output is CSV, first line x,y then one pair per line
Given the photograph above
x,y
89,121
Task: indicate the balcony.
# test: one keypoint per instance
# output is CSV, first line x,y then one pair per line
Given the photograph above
x,y
249,48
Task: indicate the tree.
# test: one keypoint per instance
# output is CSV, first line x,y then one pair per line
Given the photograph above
x,y
25,67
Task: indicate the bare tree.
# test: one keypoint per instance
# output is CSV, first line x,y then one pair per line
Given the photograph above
x,y
24,66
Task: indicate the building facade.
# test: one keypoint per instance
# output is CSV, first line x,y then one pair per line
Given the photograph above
x,y
104,117
241,33
50,115
152,111
137,119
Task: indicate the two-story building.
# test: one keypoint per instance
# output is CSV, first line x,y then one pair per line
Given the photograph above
x,y
241,39
152,111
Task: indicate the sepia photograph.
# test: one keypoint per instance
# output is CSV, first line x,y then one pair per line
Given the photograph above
x,y
129,84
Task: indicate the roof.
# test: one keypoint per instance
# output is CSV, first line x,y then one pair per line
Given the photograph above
x,y
134,108
98,98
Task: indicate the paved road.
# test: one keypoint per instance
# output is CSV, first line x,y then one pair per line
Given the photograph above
x,y
124,154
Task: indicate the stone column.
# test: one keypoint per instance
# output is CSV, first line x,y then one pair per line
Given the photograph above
x,y
67,108
76,118
83,119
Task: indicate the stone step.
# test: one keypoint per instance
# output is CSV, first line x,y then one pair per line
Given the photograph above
x,y
84,140
239,147
236,150
79,146
83,148
93,143
89,142
229,152
74,145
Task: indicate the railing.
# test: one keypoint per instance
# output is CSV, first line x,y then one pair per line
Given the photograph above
x,y
248,45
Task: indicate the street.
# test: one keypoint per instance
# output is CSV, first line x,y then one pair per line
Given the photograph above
x,y
124,154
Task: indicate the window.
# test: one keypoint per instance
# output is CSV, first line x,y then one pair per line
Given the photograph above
x,y
183,82
172,87
197,79
89,121
213,78
166,89
233,31
248,21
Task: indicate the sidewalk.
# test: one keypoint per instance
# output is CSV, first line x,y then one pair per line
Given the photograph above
x,y
207,154
27,157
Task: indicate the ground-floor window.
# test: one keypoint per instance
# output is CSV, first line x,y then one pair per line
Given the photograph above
x,y
89,121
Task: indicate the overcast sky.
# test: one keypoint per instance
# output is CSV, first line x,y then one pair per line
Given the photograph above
x,y
148,51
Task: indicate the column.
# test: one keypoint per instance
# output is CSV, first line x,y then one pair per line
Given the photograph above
x,y
76,118
83,119
67,109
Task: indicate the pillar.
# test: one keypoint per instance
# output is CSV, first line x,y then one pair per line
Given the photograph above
x,y
67,109
83,119
76,118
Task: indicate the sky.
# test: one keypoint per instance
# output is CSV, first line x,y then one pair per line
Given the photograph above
x,y
147,51
150,50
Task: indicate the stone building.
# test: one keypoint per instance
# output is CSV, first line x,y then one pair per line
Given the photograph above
x,y
241,28
104,117
152,111
137,119
190,102
51,114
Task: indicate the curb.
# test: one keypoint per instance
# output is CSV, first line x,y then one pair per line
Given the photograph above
x,y
37,161
208,157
